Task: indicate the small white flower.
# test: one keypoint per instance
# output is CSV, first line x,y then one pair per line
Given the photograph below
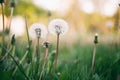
x,y
37,30
58,26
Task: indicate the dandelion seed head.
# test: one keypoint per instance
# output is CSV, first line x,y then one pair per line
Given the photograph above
x,y
37,30
58,26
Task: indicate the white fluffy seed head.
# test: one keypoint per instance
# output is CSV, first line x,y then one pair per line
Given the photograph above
x,y
37,30
58,26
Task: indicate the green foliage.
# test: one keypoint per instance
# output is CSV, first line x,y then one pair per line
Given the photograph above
x,y
74,63
30,10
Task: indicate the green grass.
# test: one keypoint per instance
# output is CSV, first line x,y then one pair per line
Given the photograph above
x,y
74,63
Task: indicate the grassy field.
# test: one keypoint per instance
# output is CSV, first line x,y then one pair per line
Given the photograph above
x,y
74,62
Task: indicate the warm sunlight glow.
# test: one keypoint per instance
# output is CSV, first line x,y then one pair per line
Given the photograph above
x,y
86,6
48,4
18,26
54,5
107,8
110,8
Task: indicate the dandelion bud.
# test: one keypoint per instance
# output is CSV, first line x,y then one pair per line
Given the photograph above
x,y
49,14
1,1
58,26
13,4
38,31
13,40
96,38
46,44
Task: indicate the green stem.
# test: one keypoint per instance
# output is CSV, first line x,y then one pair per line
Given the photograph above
x,y
3,24
21,70
21,61
13,51
6,54
9,26
27,31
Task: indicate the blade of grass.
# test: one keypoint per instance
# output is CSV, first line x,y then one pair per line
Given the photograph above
x,y
19,67
45,58
29,44
93,59
23,58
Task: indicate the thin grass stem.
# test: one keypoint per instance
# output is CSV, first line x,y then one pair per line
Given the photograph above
x,y
93,59
3,36
44,63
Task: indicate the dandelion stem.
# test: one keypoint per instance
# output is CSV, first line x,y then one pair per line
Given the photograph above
x,y
9,25
55,63
27,31
38,57
45,58
93,59
3,24
11,15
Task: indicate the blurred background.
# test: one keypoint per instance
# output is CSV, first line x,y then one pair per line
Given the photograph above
x,y
85,17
